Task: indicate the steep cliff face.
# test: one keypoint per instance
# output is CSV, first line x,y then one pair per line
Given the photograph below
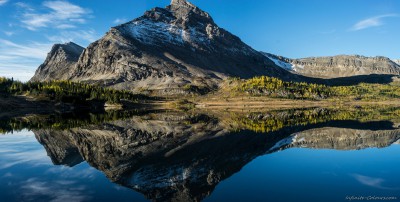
x,y
337,66
59,62
168,48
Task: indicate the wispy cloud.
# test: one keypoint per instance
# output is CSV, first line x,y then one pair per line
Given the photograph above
x,y
120,20
67,36
56,191
55,14
21,149
32,50
21,60
375,21
25,6
372,182
2,2
8,33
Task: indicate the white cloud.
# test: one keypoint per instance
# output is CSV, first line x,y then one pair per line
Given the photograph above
x,y
33,50
8,33
65,26
372,182
67,36
120,21
56,191
375,21
21,149
21,60
56,14
25,6
2,2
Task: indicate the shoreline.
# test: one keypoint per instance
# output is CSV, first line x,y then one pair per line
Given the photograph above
x,y
13,106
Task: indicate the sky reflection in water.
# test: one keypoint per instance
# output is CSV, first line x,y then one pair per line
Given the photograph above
x,y
27,174
263,167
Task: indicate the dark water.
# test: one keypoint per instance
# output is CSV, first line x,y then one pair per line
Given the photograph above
x,y
295,155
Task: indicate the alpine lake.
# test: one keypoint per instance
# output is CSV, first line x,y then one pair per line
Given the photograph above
x,y
310,154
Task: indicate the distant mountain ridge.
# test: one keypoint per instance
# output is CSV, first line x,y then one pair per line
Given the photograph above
x,y
337,66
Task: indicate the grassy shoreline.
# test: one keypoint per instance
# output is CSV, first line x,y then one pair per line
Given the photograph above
x,y
233,94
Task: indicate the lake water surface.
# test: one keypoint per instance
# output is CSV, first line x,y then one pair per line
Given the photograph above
x,y
298,155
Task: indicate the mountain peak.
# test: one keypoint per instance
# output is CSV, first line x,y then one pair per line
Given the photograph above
x,y
179,2
71,50
60,60
182,3
71,44
185,13
180,23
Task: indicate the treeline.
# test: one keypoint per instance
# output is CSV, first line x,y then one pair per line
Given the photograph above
x,y
65,91
275,87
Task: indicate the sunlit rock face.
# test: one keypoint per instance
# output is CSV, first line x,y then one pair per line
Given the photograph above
x,y
59,63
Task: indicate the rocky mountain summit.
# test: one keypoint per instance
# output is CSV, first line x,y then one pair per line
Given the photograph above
x,y
164,49
59,62
337,66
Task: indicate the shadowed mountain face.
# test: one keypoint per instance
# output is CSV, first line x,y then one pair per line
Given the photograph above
x,y
175,156
166,49
338,66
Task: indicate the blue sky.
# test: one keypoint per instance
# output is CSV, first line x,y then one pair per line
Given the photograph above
x,y
292,28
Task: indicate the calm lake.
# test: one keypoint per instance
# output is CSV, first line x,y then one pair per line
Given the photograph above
x,y
294,155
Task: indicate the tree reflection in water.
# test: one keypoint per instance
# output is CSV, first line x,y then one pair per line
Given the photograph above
x,y
173,155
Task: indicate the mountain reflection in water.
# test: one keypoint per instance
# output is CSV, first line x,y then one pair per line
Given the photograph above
x,y
183,156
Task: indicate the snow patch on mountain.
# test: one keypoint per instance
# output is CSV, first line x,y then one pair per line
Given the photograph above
x,y
397,61
150,32
282,64
285,65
